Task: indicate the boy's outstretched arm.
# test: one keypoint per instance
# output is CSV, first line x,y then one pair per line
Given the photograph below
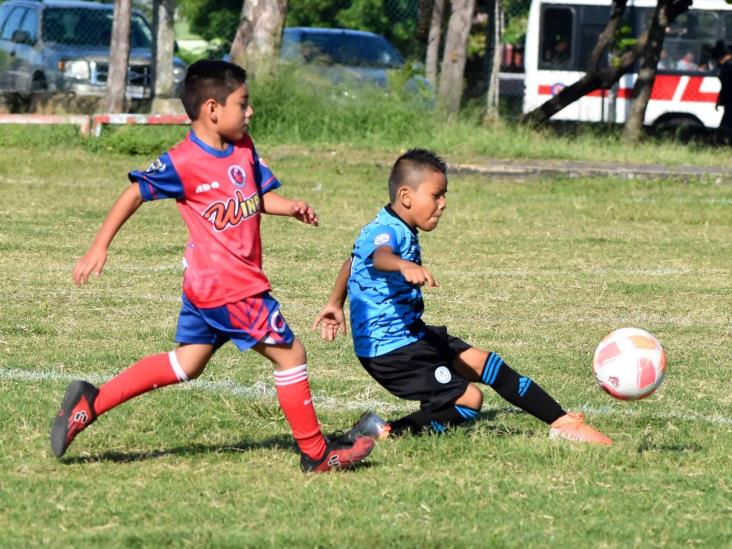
x,y
96,256
331,318
386,260
274,204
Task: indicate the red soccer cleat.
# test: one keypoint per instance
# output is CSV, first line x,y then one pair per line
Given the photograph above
x,y
339,456
75,415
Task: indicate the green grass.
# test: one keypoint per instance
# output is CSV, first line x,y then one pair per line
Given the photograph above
x,y
538,271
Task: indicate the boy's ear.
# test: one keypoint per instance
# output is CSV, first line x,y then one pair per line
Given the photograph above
x,y
209,109
404,196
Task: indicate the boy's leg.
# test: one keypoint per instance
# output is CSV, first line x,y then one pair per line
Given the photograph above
x,y
83,402
490,369
464,410
293,392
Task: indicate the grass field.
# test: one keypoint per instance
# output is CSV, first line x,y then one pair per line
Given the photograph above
x,y
538,271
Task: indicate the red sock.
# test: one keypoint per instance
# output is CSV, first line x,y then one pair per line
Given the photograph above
x,y
145,375
293,391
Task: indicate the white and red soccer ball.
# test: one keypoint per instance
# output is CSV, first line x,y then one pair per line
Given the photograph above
x,y
629,364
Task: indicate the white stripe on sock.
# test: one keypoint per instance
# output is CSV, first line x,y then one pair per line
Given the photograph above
x,y
179,373
291,375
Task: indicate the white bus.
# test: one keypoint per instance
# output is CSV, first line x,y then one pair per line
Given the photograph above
x,y
561,35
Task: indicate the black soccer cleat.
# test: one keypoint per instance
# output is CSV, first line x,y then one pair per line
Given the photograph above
x,y
339,456
76,414
370,425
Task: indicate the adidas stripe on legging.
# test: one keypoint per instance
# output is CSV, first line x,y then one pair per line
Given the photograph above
x,y
519,390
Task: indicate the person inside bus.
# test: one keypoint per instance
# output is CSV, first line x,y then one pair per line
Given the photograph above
x,y
558,51
723,58
664,62
686,63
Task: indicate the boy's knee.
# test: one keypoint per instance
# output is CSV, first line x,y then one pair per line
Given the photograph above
x,y
471,398
192,359
284,357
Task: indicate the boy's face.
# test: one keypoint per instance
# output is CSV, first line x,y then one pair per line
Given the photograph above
x,y
235,114
426,203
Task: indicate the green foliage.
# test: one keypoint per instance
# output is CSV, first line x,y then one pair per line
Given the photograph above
x,y
298,106
394,19
215,20
516,13
4,60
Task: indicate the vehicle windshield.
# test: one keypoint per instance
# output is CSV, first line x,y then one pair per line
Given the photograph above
x,y
349,49
87,27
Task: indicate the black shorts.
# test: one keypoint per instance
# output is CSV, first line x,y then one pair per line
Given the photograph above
x,y
422,370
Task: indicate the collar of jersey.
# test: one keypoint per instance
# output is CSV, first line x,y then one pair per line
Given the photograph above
x,y
388,209
209,149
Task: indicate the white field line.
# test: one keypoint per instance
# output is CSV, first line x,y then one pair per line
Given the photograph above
x,y
265,392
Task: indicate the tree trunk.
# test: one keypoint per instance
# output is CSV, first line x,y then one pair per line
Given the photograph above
x,y
493,58
424,19
257,42
163,26
633,129
450,89
433,42
119,55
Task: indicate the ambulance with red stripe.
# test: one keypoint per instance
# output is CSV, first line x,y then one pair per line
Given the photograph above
x,y
560,38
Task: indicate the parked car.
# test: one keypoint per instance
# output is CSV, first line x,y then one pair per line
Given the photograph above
x,y
63,46
346,56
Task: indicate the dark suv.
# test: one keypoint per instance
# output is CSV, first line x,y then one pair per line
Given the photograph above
x,y
63,46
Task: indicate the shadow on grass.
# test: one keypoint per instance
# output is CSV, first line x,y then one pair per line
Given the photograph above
x,y
279,442
282,442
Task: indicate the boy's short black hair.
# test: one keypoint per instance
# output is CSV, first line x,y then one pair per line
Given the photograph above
x,y
409,166
210,79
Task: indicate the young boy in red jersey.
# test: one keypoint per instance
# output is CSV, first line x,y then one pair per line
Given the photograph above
x,y
407,357
221,187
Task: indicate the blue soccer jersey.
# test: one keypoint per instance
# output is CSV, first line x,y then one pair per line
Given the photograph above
x,y
385,309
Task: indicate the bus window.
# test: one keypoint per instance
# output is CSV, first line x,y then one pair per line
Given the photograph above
x,y
727,29
556,44
689,41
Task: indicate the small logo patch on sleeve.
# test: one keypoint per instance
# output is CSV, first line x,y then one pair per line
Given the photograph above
x,y
157,166
381,239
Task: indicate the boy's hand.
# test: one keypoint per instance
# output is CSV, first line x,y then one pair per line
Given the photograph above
x,y
91,261
331,320
304,212
417,275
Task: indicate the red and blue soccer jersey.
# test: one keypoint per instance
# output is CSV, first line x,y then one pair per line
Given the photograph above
x,y
219,194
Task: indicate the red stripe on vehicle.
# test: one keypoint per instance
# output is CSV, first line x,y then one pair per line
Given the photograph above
x,y
693,93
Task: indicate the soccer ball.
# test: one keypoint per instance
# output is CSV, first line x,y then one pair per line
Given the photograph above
x,y
629,364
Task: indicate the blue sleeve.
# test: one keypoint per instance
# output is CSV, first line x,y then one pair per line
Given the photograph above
x,y
160,180
374,237
266,180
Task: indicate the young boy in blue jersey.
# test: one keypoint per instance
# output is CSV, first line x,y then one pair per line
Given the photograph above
x,y
409,358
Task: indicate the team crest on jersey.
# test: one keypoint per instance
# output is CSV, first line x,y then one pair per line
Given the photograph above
x,y
237,175
157,166
233,211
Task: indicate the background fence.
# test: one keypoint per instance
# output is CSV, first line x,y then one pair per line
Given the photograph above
x,y
55,50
